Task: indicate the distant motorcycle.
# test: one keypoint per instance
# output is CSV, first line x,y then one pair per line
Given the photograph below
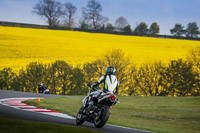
x,y
96,107
42,89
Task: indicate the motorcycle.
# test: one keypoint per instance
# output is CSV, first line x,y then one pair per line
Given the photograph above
x,y
96,107
44,90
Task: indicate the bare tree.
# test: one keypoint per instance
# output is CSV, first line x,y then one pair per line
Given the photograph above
x,y
121,23
51,10
69,11
91,13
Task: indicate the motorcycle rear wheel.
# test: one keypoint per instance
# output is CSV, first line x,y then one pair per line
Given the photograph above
x,y
101,120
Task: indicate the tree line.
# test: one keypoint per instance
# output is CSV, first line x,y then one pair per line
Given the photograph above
x,y
180,77
53,11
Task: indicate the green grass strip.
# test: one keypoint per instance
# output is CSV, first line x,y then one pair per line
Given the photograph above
x,y
158,114
21,126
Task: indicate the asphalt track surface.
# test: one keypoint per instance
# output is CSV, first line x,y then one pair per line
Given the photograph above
x,y
10,112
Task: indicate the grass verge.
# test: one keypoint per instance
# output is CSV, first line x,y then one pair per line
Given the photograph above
x,y
19,126
159,114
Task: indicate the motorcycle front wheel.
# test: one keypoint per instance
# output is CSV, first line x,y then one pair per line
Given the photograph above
x,y
79,117
102,117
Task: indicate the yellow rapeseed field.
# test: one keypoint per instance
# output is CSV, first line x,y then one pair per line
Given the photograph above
x,y
20,46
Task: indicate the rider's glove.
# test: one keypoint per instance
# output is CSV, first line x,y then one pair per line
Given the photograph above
x,y
89,85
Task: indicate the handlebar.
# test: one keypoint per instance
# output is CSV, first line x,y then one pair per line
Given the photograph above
x,y
89,85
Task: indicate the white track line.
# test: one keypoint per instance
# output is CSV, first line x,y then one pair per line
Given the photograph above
x,y
59,115
130,128
16,103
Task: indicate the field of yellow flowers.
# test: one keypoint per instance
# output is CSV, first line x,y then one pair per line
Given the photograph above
x,y
20,46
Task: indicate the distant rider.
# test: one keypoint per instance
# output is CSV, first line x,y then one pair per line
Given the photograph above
x,y
41,88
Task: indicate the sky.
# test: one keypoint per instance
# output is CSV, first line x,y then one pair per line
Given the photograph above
x,y
165,12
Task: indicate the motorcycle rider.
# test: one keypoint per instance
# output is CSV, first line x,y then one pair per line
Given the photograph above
x,y
110,84
41,88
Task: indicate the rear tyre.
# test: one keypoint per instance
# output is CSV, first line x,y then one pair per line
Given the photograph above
x,y
103,116
79,117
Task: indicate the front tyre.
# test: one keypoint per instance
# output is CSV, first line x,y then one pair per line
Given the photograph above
x,y
79,117
103,116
